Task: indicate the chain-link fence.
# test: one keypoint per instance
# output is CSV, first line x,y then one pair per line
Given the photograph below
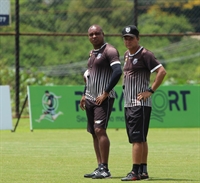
x,y
47,44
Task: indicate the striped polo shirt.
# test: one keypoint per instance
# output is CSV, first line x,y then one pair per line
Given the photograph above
x,y
99,71
137,70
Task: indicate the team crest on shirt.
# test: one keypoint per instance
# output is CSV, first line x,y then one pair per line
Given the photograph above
x,y
135,61
99,55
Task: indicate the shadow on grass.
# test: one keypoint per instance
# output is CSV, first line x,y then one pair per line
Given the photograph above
x,y
169,179
160,179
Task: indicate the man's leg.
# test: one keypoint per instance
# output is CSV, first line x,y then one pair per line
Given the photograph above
x,y
41,118
56,115
145,152
104,147
137,150
104,144
102,115
98,157
96,148
143,166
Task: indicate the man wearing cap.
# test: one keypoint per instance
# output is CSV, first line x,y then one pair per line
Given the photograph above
x,y
138,66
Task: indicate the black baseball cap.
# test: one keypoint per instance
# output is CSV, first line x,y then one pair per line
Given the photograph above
x,y
130,30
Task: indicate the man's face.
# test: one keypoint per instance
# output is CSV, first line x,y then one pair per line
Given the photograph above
x,y
96,36
131,42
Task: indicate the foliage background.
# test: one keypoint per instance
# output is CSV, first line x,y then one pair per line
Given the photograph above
x,y
54,46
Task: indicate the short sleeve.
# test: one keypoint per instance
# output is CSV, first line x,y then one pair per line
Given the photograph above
x,y
150,60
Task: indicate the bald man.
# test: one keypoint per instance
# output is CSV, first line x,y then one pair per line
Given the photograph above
x,y
102,74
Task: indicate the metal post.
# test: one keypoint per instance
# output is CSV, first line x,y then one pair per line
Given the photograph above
x,y
17,78
135,13
19,116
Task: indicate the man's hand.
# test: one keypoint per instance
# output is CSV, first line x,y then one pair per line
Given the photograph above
x,y
101,98
82,103
144,95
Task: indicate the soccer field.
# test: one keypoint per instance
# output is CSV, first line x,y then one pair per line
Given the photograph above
x,y
64,156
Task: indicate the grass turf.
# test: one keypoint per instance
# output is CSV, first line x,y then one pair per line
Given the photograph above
x,y
64,156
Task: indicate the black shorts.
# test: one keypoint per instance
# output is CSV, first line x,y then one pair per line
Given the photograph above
x,y
50,111
137,123
98,115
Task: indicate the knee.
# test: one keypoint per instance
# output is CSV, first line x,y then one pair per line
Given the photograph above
x,y
99,131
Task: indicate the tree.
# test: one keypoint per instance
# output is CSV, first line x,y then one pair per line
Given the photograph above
x,y
110,14
157,21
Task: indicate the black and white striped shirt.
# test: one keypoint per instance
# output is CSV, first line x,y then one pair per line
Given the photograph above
x,y
137,70
99,71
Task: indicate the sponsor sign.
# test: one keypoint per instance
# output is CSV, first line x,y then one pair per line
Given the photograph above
x,y
4,12
173,106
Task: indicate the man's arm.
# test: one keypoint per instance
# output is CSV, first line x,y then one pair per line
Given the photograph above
x,y
82,101
161,72
116,74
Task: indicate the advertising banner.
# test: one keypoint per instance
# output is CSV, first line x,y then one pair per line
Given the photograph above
x,y
5,109
173,106
4,12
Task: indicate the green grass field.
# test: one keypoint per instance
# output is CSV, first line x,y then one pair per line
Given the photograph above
x,y
64,156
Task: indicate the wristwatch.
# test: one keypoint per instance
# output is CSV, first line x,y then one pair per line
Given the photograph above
x,y
150,90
